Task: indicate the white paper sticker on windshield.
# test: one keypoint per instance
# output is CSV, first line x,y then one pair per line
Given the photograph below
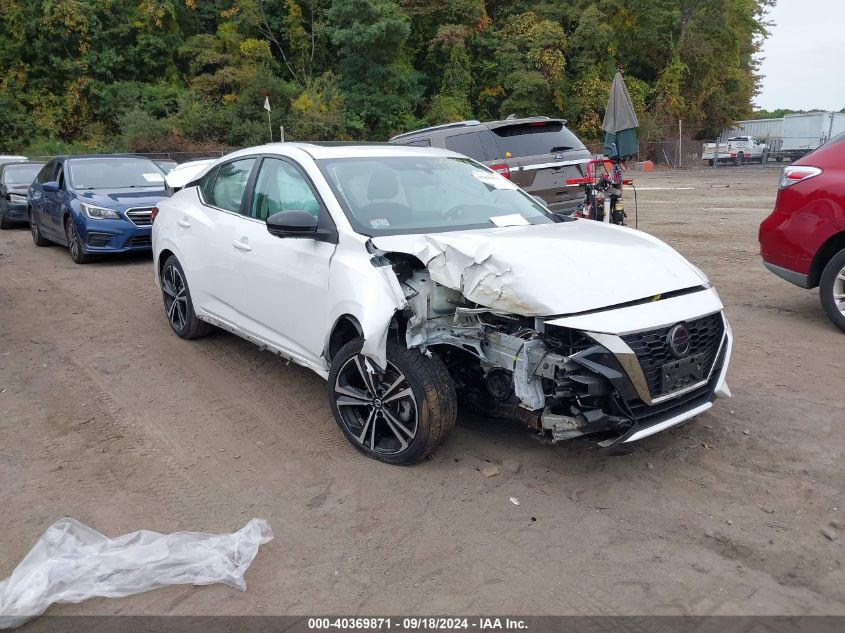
x,y
379,223
514,219
493,180
153,177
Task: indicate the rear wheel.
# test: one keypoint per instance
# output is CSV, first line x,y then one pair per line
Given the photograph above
x,y
399,415
35,230
832,289
177,302
74,243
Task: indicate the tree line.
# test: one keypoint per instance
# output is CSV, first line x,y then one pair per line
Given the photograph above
x,y
169,75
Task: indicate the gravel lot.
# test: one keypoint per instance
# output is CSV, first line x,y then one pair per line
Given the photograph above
x,y
108,417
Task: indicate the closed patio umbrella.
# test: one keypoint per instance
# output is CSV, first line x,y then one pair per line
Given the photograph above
x,y
620,122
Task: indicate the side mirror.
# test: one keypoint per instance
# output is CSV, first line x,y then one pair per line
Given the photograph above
x,y
50,187
292,223
298,223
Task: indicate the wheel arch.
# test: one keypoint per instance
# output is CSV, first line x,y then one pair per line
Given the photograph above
x,y
346,328
162,258
833,245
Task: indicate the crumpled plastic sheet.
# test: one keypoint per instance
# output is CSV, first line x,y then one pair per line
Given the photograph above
x,y
72,562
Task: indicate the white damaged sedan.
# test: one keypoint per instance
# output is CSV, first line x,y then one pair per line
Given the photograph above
x,y
413,279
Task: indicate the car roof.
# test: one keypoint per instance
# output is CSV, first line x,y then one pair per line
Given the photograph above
x,y
470,124
36,163
92,156
320,150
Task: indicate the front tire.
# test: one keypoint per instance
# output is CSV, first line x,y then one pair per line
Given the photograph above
x,y
398,416
74,243
35,231
832,289
178,306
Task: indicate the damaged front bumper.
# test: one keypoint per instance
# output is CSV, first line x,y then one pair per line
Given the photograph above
x,y
611,372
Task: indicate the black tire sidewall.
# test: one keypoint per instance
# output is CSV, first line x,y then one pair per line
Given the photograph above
x,y
417,448
82,257
33,221
189,316
831,270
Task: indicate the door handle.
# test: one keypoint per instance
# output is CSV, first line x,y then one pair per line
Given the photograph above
x,y
241,246
184,222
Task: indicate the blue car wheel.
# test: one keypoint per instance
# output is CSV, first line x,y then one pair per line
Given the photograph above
x,y
74,243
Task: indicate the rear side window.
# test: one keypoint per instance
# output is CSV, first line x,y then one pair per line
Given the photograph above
x,y
534,138
229,184
46,173
467,144
419,142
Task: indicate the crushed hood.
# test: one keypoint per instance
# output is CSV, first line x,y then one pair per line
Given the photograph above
x,y
549,269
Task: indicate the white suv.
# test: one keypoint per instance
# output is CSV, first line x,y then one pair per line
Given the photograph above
x,y
415,278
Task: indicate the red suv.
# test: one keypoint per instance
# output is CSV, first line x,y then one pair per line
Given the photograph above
x,y
803,240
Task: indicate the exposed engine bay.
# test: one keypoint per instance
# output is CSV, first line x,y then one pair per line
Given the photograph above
x,y
559,381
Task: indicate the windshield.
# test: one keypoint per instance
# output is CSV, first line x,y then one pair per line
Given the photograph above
x,y
21,174
424,194
114,173
534,138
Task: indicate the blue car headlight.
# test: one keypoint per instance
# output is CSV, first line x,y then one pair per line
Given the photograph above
x,y
99,213
16,199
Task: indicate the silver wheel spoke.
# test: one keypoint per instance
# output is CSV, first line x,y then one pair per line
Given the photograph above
x,y
351,397
346,401
361,364
390,389
370,419
405,393
395,425
373,432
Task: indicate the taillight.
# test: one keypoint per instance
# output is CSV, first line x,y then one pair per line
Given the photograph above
x,y
572,182
795,174
153,214
502,169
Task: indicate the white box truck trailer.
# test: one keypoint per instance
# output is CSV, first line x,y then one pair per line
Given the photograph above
x,y
802,133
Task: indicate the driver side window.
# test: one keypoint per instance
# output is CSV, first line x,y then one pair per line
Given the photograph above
x,y
281,187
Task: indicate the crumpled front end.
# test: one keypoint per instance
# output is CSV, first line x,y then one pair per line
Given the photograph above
x,y
624,373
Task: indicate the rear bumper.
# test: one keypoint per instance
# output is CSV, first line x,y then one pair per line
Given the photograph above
x,y
799,279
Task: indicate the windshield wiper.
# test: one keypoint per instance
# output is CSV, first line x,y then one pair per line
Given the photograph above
x,y
561,148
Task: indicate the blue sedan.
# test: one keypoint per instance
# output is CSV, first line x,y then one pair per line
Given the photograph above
x,y
95,204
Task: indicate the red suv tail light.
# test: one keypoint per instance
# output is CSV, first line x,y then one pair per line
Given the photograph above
x,y
153,214
797,173
502,169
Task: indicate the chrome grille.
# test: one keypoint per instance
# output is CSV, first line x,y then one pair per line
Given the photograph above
x,y
652,348
140,216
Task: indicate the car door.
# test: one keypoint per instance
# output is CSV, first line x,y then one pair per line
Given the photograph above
x,y
53,205
36,196
205,232
283,282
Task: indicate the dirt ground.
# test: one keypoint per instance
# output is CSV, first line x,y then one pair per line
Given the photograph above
x,y
108,417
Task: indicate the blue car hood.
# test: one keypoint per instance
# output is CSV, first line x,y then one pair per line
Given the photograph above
x,y
123,198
